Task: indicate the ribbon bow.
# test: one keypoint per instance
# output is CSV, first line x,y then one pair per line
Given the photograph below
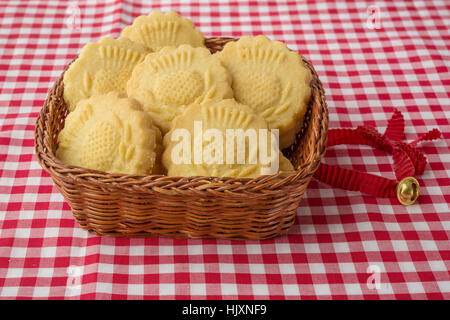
x,y
408,161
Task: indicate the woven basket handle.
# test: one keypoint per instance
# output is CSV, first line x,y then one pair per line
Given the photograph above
x,y
408,161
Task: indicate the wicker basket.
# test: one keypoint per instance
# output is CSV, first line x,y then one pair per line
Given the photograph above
x,y
194,207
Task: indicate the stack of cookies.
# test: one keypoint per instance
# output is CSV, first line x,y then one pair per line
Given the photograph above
x,y
156,101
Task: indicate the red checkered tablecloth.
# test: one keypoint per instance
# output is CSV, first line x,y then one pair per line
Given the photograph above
x,y
372,57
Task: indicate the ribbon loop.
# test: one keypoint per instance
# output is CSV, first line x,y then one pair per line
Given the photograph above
x,y
395,130
408,161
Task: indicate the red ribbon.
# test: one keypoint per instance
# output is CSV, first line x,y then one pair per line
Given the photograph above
x,y
408,161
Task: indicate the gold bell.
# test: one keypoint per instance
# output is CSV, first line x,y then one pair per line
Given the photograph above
x,y
408,191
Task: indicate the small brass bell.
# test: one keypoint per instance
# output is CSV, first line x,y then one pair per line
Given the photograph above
x,y
408,191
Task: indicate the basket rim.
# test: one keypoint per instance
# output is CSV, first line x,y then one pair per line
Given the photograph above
x,y
162,183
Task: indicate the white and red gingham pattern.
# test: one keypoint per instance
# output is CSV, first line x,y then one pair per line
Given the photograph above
x,y
340,239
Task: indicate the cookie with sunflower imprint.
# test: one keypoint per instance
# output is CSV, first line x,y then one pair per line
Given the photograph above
x,y
271,79
169,80
217,128
110,133
159,29
101,67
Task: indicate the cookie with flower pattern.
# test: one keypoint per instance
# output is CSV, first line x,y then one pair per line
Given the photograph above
x,y
109,133
221,139
160,29
271,79
172,78
101,67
